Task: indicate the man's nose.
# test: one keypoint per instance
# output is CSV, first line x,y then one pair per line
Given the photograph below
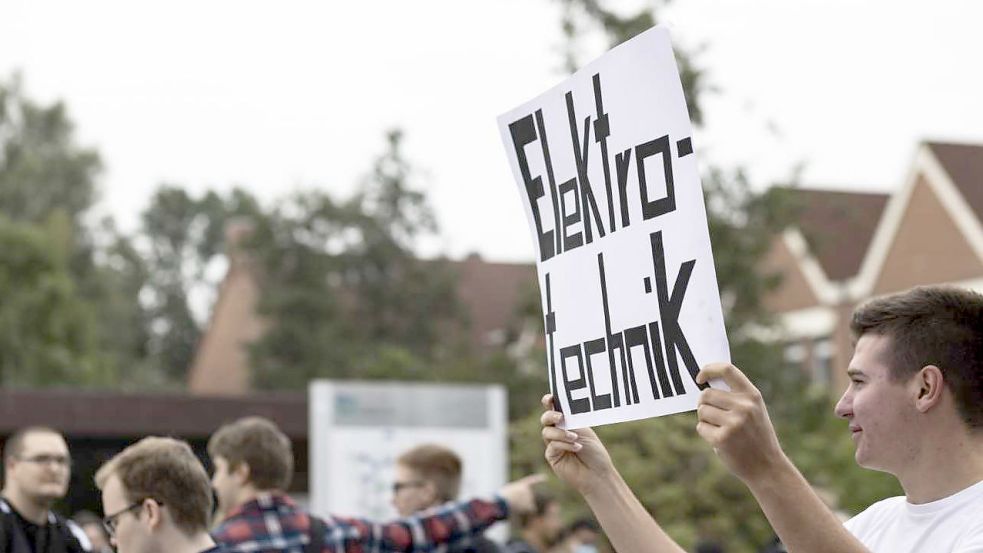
x,y
844,406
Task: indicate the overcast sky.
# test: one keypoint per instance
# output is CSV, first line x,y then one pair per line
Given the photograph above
x,y
276,96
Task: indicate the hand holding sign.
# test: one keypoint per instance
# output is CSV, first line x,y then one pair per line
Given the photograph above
x,y
736,423
577,456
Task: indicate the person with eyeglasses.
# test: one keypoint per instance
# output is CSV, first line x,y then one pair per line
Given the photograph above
x,y
37,467
428,476
157,498
253,463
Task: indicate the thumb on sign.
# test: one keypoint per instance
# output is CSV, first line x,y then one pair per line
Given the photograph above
x,y
734,420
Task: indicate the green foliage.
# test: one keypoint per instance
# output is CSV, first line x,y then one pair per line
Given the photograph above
x,y
46,330
345,295
582,18
91,277
675,475
183,236
42,170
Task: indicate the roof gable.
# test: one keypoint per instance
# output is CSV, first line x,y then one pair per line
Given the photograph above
x,y
838,227
928,246
964,165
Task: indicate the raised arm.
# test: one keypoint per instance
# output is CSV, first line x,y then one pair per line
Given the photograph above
x,y
580,459
451,524
737,425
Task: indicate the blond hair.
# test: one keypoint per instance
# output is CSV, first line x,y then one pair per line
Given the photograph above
x,y
436,464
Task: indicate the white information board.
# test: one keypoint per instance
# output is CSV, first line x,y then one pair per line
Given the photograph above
x,y
608,177
358,429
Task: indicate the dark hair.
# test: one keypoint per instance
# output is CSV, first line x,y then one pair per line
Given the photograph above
x,y
257,442
585,523
15,443
437,464
541,502
933,325
709,546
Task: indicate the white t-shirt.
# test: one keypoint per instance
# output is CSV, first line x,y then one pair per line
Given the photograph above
x,y
950,525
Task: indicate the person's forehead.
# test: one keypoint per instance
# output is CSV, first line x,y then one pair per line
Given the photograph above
x,y
405,471
43,442
113,498
871,354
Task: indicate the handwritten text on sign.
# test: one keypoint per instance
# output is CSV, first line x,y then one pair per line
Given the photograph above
x,y
608,177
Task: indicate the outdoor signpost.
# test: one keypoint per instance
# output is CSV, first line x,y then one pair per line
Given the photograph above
x,y
358,429
609,180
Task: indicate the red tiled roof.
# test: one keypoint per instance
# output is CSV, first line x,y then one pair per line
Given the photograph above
x,y
964,164
838,226
490,293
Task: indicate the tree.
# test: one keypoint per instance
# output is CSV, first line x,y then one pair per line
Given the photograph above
x,y
47,186
183,236
46,330
42,170
343,290
582,18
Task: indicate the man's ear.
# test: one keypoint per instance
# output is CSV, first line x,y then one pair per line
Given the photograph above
x,y
155,516
242,473
433,495
929,385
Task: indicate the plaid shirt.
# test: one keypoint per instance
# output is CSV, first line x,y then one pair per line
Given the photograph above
x,y
272,523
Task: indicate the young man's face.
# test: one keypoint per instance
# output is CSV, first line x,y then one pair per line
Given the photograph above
x,y
42,468
411,493
549,524
880,411
130,533
226,484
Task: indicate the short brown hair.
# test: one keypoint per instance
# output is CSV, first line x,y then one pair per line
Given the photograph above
x,y
436,464
933,325
257,442
167,470
15,443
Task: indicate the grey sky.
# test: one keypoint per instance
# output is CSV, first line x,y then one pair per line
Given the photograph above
x,y
276,96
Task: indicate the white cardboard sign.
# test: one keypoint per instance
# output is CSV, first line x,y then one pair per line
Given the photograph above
x,y
609,181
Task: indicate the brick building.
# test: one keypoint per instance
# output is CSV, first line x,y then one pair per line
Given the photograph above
x,y
847,247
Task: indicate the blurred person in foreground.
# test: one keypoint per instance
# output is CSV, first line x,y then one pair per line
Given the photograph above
x,y
37,467
914,408
428,476
253,463
157,499
539,529
95,530
581,536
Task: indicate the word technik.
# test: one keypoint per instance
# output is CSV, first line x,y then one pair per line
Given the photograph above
x,y
653,339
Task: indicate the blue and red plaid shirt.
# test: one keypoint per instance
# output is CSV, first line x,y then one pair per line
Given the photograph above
x,y
272,523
